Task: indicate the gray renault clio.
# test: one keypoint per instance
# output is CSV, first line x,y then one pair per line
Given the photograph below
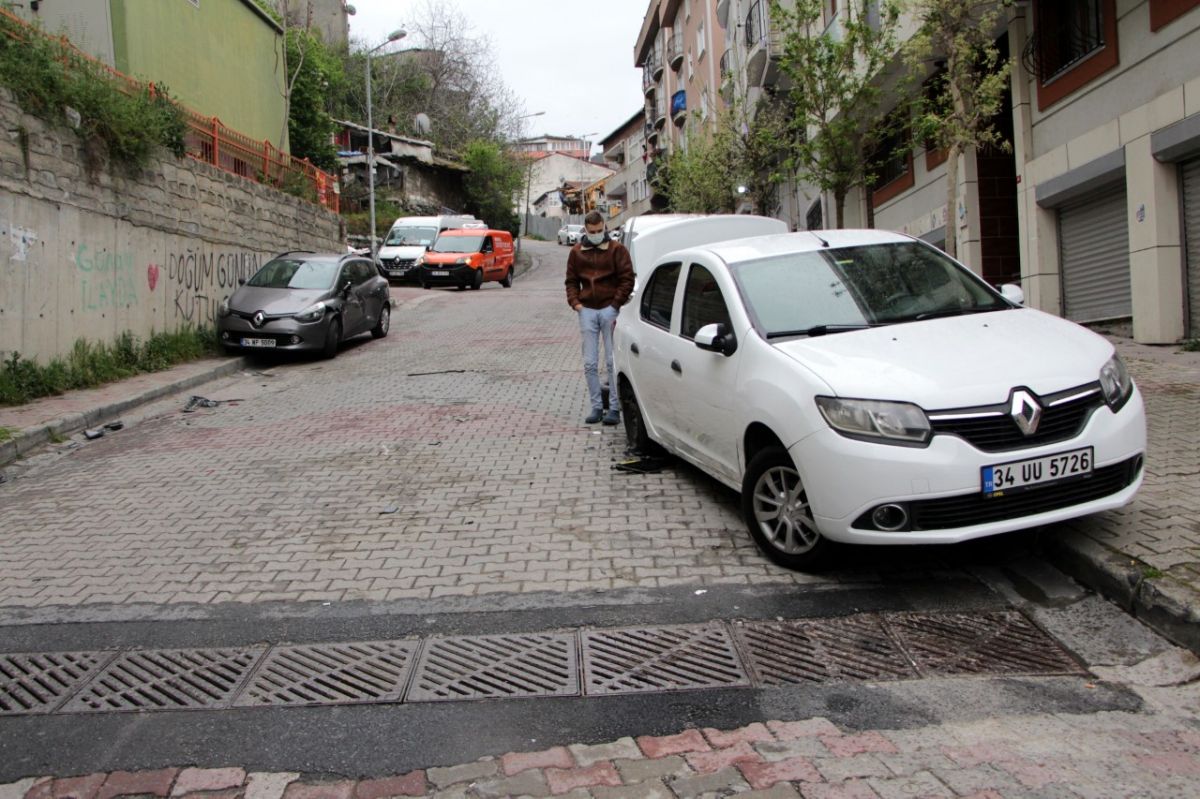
x,y
306,301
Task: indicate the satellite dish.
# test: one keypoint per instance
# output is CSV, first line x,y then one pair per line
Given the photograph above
x,y
422,124
350,9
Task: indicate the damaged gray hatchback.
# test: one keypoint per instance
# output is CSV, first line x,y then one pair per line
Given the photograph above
x,y
305,301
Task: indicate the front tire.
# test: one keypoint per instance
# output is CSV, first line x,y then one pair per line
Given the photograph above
x,y
635,426
385,321
778,513
507,281
333,338
478,281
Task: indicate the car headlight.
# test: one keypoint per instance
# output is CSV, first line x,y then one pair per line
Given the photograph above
x,y
464,260
885,422
312,313
223,308
419,260
1115,382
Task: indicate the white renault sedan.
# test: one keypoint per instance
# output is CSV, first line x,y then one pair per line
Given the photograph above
x,y
860,386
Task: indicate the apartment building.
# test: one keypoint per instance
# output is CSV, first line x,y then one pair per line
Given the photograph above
x,y
678,50
628,190
1094,208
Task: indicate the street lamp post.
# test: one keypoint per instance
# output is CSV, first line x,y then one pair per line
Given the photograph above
x,y
392,37
528,183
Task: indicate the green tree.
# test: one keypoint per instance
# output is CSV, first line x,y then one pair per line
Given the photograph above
x,y
957,113
704,175
493,181
835,95
310,126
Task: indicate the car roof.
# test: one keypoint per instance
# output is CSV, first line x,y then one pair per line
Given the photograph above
x,y
749,249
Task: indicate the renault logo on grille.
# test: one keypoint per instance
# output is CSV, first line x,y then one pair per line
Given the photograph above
x,y
1026,411
258,319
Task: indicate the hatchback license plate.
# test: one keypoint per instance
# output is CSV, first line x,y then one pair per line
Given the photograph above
x,y
1010,476
258,342
439,273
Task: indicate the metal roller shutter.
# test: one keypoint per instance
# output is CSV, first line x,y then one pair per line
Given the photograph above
x,y
1094,241
1191,229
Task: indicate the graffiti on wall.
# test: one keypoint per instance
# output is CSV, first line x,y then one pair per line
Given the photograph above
x,y
106,278
202,279
22,239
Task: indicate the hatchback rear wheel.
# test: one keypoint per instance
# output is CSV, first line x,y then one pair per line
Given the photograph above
x,y
385,321
777,511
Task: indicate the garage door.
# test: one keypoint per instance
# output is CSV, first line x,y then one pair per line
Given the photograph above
x,y
1094,238
1191,227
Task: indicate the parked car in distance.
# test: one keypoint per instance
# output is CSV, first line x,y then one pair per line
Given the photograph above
x,y
305,301
860,386
569,234
409,238
468,257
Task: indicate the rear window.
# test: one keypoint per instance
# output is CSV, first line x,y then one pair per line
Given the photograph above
x,y
659,297
292,273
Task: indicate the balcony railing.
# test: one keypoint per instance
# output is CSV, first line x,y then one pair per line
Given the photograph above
x,y
648,82
763,46
675,49
207,138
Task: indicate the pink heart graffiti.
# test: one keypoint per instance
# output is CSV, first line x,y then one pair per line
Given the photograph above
x,y
152,275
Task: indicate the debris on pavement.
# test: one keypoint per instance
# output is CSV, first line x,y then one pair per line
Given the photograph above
x,y
114,426
442,372
93,434
642,465
3,478
197,401
388,510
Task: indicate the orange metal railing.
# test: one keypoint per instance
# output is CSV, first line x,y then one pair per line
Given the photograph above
x,y
207,138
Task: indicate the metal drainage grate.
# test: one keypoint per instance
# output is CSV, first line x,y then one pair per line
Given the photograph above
x,y
37,683
1002,642
823,650
489,666
167,679
331,674
645,659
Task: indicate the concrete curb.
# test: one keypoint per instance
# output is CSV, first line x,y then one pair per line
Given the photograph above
x,y
1166,605
32,437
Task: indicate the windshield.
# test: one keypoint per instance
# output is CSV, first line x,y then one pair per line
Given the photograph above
x,y
411,236
824,291
573,228
287,273
458,244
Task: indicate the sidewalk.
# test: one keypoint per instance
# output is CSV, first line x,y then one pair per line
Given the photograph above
x,y
1146,556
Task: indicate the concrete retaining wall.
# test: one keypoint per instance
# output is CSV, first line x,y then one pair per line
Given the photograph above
x,y
91,256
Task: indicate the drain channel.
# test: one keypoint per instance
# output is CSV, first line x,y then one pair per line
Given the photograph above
x,y
591,662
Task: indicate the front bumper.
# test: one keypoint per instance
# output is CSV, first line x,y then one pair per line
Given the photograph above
x,y
288,334
446,274
400,270
940,484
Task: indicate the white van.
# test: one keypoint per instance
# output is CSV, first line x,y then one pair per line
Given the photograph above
x,y
651,236
409,238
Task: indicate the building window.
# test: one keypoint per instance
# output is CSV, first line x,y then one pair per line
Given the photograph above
x,y
700,45
893,166
813,218
1074,42
1163,12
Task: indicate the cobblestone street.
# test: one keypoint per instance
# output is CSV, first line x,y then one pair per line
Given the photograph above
x,y
438,486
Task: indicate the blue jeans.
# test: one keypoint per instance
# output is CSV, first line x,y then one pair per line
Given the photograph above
x,y
593,324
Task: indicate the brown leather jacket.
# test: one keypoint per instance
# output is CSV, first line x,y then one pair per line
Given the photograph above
x,y
598,277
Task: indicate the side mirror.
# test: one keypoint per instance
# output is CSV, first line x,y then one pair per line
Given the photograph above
x,y
346,287
1012,292
716,338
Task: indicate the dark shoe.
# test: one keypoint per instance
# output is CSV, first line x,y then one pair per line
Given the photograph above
x,y
604,398
612,417
594,416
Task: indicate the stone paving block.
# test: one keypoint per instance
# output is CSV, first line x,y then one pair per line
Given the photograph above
x,y
138,783
343,789
851,789
586,755
838,769
764,775
922,784
191,780
662,745
563,780
18,789
780,790
651,789
268,785
809,746
788,730
753,733
531,782
83,787
718,759
721,783
556,757
848,745
411,784
642,770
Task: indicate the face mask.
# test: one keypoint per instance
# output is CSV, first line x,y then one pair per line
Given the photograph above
x,y
595,239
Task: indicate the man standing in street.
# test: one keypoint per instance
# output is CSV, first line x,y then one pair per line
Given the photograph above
x,y
599,281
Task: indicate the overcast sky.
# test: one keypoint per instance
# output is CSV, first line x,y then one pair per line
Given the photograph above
x,y
571,59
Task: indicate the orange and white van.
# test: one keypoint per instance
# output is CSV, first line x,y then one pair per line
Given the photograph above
x,y
468,257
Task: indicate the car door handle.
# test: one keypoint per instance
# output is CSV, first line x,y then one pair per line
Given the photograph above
x,y
676,368
634,348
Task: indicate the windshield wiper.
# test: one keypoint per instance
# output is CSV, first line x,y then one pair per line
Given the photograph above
x,y
820,330
953,312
